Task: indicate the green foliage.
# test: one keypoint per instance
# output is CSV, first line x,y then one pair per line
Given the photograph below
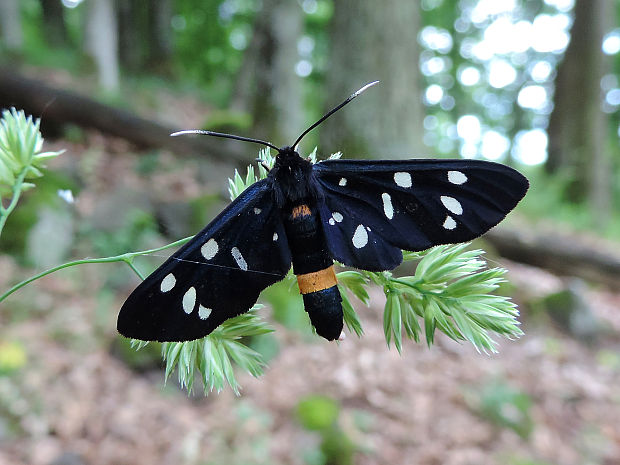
x,y
226,28
267,345
12,357
497,108
228,121
287,305
149,357
39,50
321,415
545,202
503,405
317,413
148,163
140,224
23,219
12,396
16,234
337,448
608,359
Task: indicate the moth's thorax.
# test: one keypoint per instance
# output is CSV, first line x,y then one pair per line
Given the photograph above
x,y
292,179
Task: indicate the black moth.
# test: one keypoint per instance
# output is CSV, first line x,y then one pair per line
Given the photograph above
x,y
360,213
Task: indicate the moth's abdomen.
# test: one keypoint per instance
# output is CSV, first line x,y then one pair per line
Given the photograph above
x,y
314,268
325,310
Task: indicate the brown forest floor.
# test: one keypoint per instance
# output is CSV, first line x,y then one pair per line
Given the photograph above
x,y
77,398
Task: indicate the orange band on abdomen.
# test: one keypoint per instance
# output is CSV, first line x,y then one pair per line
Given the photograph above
x,y
317,280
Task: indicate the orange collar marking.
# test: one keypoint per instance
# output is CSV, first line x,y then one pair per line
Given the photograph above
x,y
301,210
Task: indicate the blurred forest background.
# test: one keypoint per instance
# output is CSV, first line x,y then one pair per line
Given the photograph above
x,y
530,83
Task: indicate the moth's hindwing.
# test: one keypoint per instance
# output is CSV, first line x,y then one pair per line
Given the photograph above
x,y
217,275
372,209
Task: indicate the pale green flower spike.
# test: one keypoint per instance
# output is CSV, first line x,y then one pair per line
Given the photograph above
x,y
20,144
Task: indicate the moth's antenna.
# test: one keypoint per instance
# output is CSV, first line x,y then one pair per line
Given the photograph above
x,y
333,110
226,136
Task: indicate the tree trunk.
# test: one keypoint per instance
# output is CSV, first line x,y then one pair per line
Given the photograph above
x,y
600,190
375,42
160,35
54,22
267,86
11,25
129,34
577,127
102,42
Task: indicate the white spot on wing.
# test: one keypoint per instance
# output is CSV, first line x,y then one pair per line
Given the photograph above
x,y
332,222
337,216
275,237
452,204
449,223
388,209
209,249
342,182
239,258
456,177
189,300
257,211
402,179
360,237
204,312
168,282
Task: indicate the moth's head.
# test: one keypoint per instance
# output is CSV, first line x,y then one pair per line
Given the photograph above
x,y
287,152
288,160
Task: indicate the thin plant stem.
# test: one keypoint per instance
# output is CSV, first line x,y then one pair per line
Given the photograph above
x,y
413,285
17,190
126,257
136,270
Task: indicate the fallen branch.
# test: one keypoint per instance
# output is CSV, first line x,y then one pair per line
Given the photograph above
x,y
59,107
563,255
